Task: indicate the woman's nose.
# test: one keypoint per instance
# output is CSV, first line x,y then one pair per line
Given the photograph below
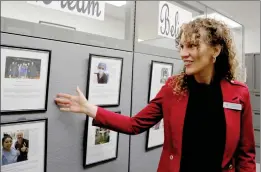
x,y
184,53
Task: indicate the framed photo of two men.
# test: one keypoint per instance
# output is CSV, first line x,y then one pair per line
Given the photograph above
x,y
24,79
24,145
104,80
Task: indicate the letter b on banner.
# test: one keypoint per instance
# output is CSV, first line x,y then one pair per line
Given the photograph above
x,y
170,18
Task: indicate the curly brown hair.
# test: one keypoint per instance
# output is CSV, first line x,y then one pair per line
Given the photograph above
x,y
217,33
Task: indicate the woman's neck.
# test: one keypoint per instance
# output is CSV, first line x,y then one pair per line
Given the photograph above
x,y
205,77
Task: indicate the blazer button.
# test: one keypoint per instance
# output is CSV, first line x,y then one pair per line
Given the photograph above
x,y
230,166
171,157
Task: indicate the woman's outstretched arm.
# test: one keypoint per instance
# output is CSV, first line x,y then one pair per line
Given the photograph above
x,y
142,121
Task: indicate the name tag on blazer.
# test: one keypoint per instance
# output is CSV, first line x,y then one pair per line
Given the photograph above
x,y
234,106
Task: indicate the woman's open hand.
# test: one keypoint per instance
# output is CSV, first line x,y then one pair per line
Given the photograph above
x,y
72,103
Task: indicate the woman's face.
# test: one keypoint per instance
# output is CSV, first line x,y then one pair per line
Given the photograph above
x,y
101,69
7,144
197,59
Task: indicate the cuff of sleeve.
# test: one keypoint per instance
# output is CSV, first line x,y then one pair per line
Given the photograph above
x,y
97,120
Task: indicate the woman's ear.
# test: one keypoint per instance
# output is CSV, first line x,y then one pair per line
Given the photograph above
x,y
217,50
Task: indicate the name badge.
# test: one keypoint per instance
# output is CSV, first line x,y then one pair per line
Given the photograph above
x,y
234,106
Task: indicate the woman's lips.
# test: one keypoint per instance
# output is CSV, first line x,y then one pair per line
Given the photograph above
x,y
188,62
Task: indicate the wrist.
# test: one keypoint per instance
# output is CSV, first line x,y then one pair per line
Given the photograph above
x,y
90,110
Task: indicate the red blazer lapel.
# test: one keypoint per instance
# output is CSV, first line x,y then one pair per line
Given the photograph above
x,y
232,121
178,113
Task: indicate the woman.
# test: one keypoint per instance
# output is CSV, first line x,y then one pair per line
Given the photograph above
x,y
9,154
207,114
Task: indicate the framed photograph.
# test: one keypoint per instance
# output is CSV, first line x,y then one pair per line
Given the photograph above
x,y
24,79
100,144
24,146
155,136
160,72
104,80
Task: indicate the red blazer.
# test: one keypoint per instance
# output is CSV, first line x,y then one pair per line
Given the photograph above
x,y
239,155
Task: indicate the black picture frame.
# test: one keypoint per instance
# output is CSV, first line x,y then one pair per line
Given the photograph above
x,y
153,62
91,57
31,121
85,146
147,148
25,110
151,74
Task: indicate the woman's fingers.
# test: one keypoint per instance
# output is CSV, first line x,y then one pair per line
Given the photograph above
x,y
63,105
65,109
62,101
79,91
66,96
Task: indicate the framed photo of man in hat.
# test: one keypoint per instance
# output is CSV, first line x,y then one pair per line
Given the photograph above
x,y
104,80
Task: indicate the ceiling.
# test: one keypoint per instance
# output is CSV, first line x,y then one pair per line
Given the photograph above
x,y
246,13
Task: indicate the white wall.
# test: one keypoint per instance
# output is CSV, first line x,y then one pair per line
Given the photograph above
x,y
22,10
252,40
238,41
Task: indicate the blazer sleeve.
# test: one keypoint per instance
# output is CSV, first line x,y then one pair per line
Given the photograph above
x,y
246,149
140,122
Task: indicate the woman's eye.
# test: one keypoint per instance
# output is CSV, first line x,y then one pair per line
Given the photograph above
x,y
191,46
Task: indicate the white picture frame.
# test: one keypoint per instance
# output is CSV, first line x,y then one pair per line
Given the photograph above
x,y
27,140
155,136
104,80
100,144
24,79
160,72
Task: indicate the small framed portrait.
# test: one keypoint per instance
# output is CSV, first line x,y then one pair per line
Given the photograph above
x,y
24,145
24,79
104,80
155,136
160,72
100,144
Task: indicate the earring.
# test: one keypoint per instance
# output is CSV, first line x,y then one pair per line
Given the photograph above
x,y
214,59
